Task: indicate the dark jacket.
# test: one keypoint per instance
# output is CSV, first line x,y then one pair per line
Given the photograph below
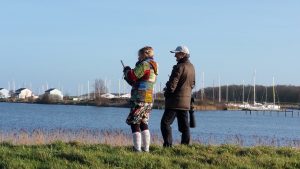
x,y
178,89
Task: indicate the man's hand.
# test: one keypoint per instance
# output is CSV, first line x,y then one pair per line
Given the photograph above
x,y
166,93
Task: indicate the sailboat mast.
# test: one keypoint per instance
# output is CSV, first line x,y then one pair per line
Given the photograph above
x,y
274,100
243,91
254,92
119,89
88,89
227,93
213,91
266,94
220,90
202,91
8,86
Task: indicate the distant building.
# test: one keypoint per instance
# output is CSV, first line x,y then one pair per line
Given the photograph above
x,y
75,99
4,93
108,96
23,93
55,93
128,95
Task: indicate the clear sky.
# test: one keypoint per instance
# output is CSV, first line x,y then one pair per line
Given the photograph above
x,y
66,43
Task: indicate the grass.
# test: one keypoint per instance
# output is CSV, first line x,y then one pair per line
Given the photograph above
x,y
84,148
76,155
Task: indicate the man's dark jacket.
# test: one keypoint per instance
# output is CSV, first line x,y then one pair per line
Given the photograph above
x,y
178,89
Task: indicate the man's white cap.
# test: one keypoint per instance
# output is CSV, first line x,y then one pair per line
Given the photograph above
x,y
182,49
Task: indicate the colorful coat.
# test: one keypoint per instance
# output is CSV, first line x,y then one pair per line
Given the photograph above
x,y
143,78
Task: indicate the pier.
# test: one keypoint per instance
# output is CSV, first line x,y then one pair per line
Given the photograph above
x,y
285,111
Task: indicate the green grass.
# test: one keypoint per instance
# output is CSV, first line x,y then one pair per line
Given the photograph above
x,y
75,155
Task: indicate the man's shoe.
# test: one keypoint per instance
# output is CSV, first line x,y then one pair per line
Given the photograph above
x,y
167,145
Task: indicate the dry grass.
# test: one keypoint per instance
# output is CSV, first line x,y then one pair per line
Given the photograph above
x,y
123,138
85,136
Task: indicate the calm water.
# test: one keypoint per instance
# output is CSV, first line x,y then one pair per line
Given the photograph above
x,y
212,126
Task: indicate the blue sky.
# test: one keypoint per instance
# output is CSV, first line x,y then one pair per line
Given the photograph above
x,y
66,43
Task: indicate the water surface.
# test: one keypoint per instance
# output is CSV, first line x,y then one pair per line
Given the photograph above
x,y
212,126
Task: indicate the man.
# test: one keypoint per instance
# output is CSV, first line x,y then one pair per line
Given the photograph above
x,y
178,92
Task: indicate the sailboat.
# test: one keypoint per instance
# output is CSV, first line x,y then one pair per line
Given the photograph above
x,y
259,106
272,107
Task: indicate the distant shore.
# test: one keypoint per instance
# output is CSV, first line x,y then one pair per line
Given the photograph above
x,y
158,104
125,103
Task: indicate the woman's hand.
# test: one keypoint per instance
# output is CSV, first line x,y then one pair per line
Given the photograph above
x,y
126,68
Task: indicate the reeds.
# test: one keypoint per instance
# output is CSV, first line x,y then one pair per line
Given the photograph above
x,y
116,137
85,136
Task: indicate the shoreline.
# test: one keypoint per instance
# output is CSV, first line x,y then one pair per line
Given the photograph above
x,y
119,103
124,103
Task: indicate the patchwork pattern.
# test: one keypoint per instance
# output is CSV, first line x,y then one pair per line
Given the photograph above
x,y
139,112
144,76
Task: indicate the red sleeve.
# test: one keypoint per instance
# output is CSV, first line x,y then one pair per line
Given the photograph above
x,y
131,76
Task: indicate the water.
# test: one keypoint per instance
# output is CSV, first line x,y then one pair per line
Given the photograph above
x,y
212,126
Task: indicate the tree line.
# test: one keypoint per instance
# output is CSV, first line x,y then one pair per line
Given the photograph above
x,y
234,93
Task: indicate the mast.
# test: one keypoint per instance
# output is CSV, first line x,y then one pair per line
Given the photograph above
x,y
274,100
123,87
243,91
14,85
78,91
219,90
213,91
227,93
254,92
119,88
202,91
88,89
266,94
105,85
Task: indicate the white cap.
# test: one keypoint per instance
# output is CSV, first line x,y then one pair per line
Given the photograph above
x,y
182,49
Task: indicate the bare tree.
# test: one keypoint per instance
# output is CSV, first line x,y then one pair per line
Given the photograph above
x,y
100,88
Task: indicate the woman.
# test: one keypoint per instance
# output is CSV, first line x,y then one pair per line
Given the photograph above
x,y
142,79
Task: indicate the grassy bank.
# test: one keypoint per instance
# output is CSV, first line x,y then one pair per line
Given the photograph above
x,y
74,155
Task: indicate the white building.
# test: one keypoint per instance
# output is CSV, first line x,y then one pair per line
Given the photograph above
x,y
4,93
108,96
55,93
23,93
128,95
